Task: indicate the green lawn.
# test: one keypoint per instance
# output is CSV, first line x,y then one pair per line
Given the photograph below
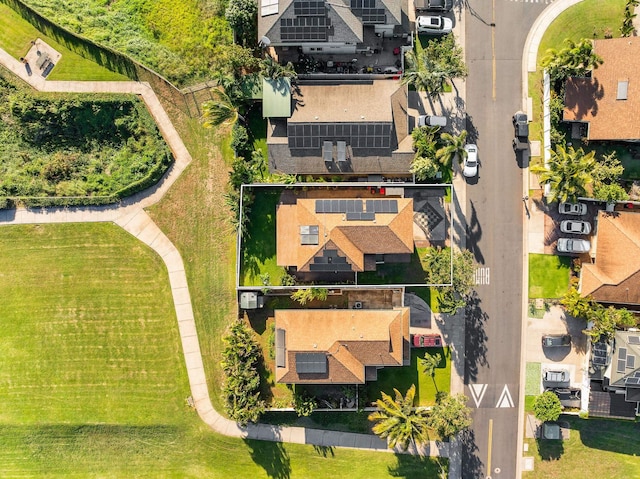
x,y
429,295
259,244
16,35
92,377
532,384
398,273
595,448
548,275
402,378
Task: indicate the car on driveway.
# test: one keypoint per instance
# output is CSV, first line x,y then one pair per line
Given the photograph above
x,y
470,164
576,227
443,6
555,378
427,341
569,397
556,340
570,245
433,25
577,209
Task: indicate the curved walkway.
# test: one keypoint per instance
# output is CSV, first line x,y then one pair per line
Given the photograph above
x,y
130,215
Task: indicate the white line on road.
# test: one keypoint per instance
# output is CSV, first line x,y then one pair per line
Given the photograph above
x,y
483,275
505,398
477,392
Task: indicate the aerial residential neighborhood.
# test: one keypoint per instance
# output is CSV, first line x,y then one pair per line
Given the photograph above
x,y
316,238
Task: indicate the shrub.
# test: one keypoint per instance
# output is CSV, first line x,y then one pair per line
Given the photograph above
x,y
547,407
304,405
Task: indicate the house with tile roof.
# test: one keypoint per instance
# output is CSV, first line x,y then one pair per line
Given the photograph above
x,y
331,26
363,130
606,105
333,238
339,346
613,277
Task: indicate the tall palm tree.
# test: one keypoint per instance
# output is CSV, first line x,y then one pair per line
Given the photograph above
x,y
220,111
575,59
453,147
429,364
398,421
568,174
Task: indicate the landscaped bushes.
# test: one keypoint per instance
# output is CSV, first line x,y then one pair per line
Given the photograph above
x,y
88,149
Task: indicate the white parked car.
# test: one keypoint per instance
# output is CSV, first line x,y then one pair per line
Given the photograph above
x,y
470,164
572,209
576,227
569,245
433,25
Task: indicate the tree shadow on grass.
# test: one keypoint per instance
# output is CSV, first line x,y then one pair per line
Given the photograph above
x,y
476,339
271,456
325,451
413,466
550,450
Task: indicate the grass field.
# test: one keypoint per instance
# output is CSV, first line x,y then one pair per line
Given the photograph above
x,y
402,378
16,35
548,275
92,378
595,448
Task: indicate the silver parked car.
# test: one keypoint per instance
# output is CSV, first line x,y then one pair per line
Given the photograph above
x,y
470,165
570,245
555,377
578,209
576,227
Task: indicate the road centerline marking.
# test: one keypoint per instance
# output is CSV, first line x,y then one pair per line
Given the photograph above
x,y
489,448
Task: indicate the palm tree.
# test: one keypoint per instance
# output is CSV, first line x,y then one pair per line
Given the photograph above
x,y
429,364
220,111
627,29
575,59
568,174
453,147
273,70
450,415
398,421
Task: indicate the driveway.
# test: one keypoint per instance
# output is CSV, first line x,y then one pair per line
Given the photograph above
x,y
556,321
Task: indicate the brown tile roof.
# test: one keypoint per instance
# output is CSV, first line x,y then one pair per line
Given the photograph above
x,y
392,233
351,340
594,100
614,277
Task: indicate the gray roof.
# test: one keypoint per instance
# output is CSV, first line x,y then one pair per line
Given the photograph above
x,y
625,363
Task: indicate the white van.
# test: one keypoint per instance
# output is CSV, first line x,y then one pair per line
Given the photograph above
x,y
431,120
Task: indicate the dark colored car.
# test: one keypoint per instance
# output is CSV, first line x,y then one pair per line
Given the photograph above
x,y
427,341
569,397
556,340
521,125
439,5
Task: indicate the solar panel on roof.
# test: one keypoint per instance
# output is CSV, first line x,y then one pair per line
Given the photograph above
x,y
599,360
634,340
631,361
632,380
599,353
311,363
309,8
280,348
621,365
622,353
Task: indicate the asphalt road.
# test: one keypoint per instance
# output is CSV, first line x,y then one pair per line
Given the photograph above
x,y
495,213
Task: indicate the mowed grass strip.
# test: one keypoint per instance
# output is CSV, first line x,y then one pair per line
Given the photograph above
x,y
88,330
16,35
548,275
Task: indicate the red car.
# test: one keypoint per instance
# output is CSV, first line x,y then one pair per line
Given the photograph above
x,y
427,341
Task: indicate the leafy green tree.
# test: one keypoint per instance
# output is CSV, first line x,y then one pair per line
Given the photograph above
x,y
547,407
575,304
607,320
462,278
606,174
453,148
610,193
439,62
399,422
303,296
424,168
242,17
220,111
424,141
575,59
304,405
450,415
568,174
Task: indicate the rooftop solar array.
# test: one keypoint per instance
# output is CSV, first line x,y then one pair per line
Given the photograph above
x,y
330,261
634,340
632,381
280,348
311,363
599,360
357,206
309,235
309,8
304,28
357,135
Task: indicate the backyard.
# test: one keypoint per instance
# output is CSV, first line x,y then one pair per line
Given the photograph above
x,y
597,448
398,273
548,275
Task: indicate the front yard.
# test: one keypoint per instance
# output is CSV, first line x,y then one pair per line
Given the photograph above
x,y
548,275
